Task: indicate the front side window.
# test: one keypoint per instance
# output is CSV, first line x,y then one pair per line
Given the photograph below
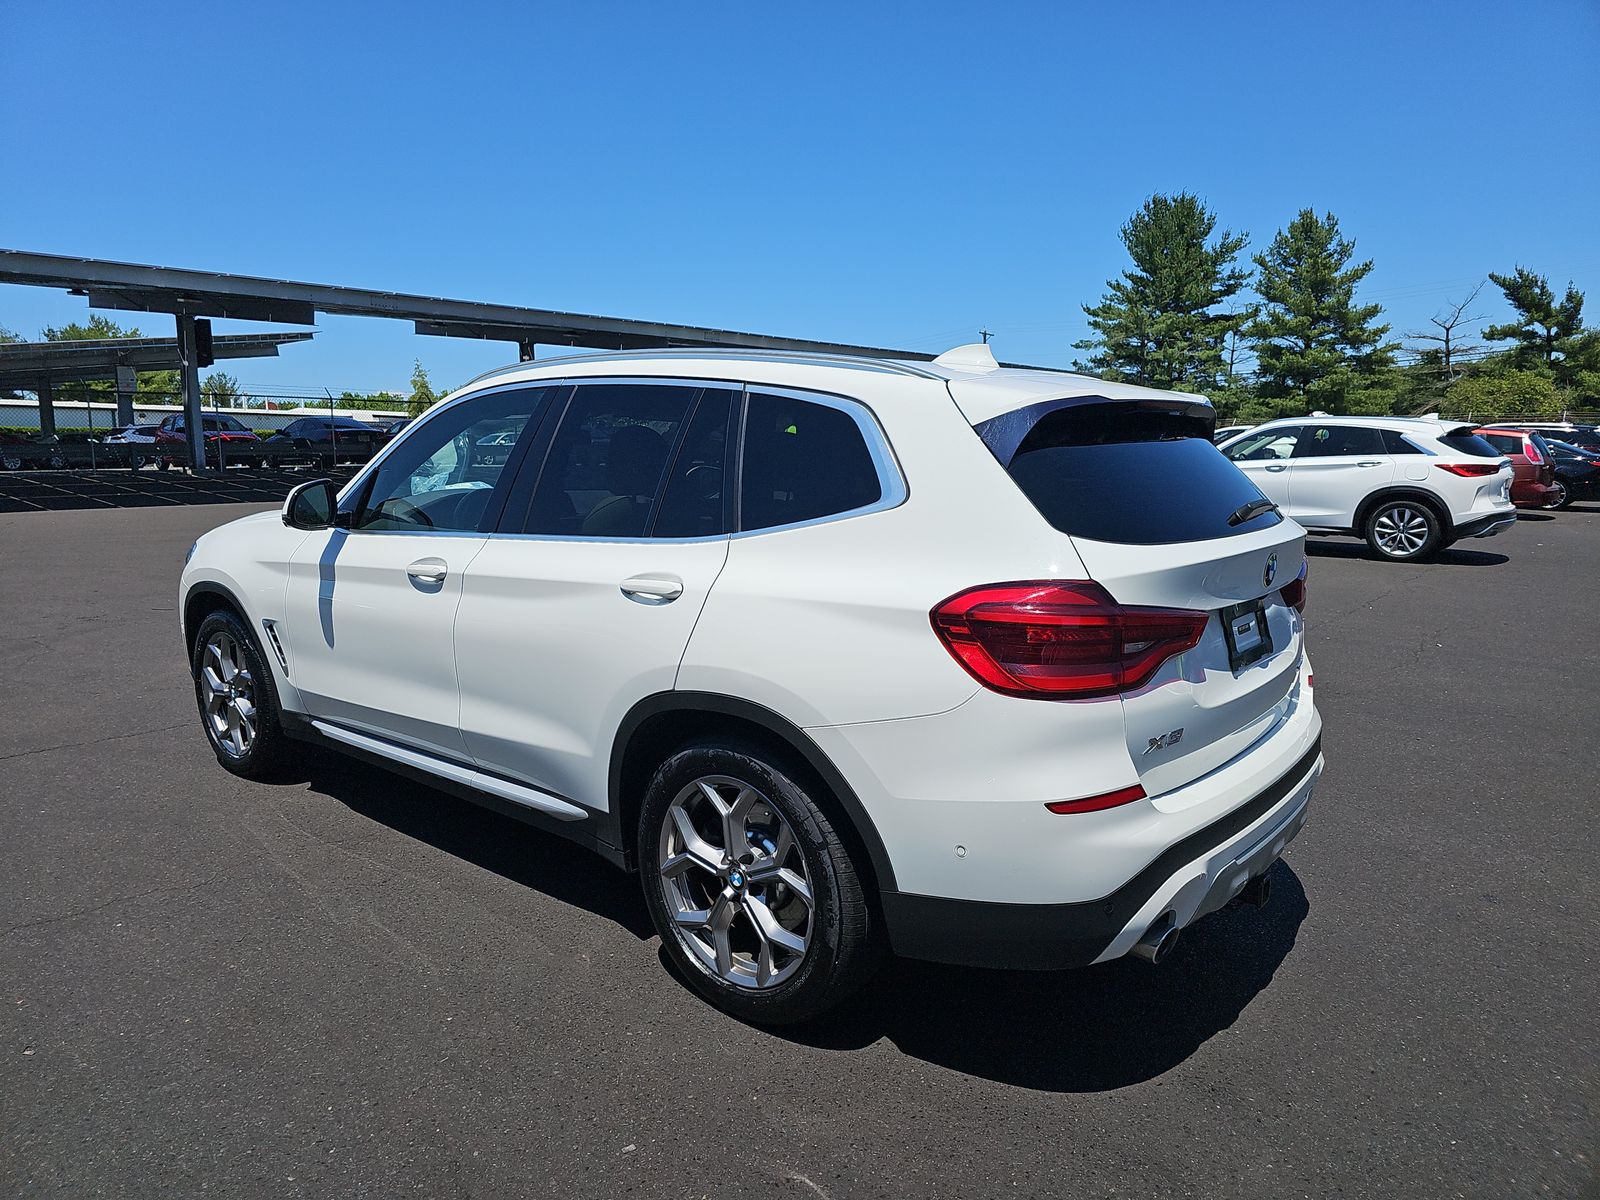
x,y
803,460
1334,441
438,479
1265,444
604,469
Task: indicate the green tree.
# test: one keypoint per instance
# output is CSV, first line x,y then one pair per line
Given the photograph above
x,y
6,336
423,396
1513,392
1158,324
1310,330
1545,328
220,390
368,401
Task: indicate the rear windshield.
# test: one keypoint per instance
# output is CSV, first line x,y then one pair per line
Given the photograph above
x,y
1116,473
1470,443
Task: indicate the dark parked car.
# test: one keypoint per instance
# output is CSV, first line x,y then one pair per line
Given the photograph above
x,y
341,439
227,442
1534,485
1577,472
18,451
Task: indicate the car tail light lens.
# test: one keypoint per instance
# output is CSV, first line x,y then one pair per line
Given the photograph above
x,y
1531,449
1470,470
1121,796
1060,641
1294,592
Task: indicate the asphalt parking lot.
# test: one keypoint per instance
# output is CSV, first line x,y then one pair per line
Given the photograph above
x,y
352,985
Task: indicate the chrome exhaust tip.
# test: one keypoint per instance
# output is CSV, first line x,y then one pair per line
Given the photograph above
x,y
1157,941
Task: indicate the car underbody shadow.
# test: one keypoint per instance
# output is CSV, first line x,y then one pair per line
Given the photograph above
x,y
1089,1030
1455,556
531,857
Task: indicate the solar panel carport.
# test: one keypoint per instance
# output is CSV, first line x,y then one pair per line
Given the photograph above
x,y
189,295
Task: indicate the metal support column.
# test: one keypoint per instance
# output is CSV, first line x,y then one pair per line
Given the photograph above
x,y
194,429
525,350
47,409
127,384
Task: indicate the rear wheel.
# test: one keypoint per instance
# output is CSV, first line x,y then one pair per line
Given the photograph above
x,y
1560,496
238,702
1404,530
11,462
754,894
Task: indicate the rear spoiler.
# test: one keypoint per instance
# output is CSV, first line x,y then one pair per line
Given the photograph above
x,y
1101,420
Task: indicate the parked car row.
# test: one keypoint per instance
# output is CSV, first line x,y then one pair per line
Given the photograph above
x,y
1411,486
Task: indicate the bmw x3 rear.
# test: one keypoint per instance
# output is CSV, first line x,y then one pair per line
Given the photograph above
x,y
981,665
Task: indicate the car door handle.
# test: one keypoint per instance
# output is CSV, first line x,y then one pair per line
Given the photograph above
x,y
652,589
428,570
1278,467
1371,462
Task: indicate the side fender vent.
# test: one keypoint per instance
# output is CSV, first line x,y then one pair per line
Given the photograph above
x,y
277,646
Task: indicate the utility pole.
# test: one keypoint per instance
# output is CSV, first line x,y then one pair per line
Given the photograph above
x,y
985,335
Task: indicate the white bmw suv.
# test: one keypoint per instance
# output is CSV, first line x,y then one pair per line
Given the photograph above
x,y
981,665
1411,486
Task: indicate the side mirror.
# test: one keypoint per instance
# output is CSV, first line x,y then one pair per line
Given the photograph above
x,y
311,505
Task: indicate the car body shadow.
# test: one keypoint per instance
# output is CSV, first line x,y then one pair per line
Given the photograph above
x,y
1090,1030
1453,557
542,861
1524,514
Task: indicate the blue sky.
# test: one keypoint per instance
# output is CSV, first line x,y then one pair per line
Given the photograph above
x,y
891,175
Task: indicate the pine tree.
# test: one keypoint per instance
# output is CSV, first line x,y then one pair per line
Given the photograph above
x,y
1158,323
1545,331
1311,331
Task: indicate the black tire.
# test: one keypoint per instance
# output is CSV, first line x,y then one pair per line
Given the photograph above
x,y
11,462
839,954
1404,530
1563,496
136,462
164,464
268,752
57,461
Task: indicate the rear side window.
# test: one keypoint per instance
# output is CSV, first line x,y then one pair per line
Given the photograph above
x,y
1394,442
692,504
803,461
1113,473
1331,441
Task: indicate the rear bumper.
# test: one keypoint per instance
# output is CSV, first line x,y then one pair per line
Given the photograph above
x,y
1532,495
1487,526
1193,877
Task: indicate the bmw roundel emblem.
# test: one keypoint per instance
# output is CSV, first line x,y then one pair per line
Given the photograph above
x,y
1270,571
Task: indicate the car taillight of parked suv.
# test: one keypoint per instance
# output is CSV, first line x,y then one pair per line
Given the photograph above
x,y
1410,486
1534,485
990,666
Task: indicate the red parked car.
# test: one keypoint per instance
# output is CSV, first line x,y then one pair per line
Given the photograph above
x,y
227,441
1533,465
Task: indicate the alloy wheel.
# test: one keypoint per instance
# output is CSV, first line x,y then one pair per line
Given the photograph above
x,y
735,883
1559,496
1401,531
230,695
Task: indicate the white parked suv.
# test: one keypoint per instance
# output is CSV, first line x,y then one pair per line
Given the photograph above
x,y
981,665
1410,486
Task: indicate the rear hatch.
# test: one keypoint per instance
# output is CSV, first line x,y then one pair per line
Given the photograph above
x,y
1159,517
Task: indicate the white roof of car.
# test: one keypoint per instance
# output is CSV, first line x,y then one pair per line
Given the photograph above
x,y
1426,425
981,387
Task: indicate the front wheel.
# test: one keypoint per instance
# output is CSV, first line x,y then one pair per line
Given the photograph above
x,y
755,896
238,702
1404,530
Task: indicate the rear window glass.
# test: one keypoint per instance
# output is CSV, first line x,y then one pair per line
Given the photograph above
x,y
1492,445
1113,474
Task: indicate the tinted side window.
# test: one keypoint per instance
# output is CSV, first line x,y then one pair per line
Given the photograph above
x,y
693,503
802,461
605,465
1330,441
1505,443
1394,442
436,479
1266,444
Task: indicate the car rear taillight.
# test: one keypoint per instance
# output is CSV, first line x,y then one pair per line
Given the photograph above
x,y
1294,592
1470,470
1531,449
1060,641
